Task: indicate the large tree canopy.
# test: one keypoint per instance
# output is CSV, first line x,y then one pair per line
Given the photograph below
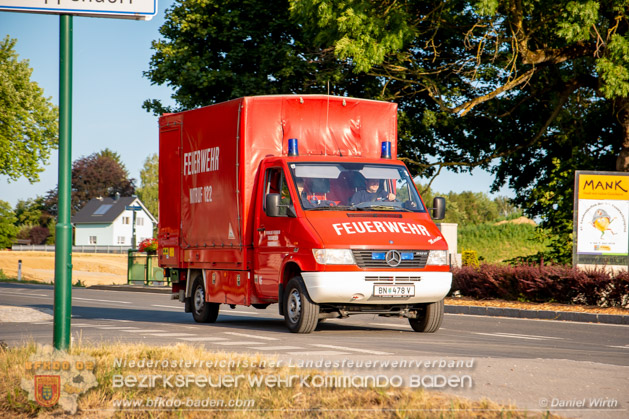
x,y
28,120
97,175
529,89
217,50
532,90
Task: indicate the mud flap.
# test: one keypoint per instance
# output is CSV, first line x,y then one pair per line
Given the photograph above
x,y
280,296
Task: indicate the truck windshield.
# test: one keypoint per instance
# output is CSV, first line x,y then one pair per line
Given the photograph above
x,y
355,187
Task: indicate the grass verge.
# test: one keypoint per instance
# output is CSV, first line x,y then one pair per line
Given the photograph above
x,y
256,400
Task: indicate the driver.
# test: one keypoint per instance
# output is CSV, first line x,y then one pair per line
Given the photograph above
x,y
371,193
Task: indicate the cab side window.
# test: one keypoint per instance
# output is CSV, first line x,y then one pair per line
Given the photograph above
x,y
275,182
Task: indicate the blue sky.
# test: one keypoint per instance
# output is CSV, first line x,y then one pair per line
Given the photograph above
x,y
109,89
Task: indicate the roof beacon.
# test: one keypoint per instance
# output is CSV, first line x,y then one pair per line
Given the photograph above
x,y
386,150
293,147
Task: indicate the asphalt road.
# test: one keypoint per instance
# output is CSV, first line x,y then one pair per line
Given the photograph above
x,y
571,368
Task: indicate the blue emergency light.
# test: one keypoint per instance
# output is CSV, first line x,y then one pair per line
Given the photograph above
x,y
293,147
386,150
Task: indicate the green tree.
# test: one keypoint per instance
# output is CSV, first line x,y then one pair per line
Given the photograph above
x,y
27,212
8,230
471,208
216,50
32,212
28,120
148,191
532,90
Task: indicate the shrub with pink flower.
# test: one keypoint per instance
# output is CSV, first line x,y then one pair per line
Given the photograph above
x,y
148,246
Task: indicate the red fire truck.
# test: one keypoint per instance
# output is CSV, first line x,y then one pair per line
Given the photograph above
x,y
300,201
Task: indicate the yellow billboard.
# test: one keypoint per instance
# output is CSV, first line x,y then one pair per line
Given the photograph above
x,y
614,187
602,217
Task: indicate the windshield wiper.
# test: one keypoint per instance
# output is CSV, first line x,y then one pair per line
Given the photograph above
x,y
322,208
383,208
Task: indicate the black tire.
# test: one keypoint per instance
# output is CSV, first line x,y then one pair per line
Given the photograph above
x,y
300,312
202,311
429,318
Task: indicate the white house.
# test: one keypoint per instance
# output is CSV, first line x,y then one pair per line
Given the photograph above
x,y
109,222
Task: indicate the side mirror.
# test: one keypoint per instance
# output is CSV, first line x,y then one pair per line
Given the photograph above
x,y
272,205
438,208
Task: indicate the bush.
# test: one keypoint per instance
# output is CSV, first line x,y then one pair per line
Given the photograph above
x,y
560,284
469,258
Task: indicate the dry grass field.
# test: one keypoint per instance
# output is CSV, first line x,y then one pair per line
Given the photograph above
x,y
88,268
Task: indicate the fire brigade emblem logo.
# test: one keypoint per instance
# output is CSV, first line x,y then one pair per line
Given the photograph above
x,y
47,390
393,258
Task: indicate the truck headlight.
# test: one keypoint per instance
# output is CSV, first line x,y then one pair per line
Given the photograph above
x,y
334,256
437,257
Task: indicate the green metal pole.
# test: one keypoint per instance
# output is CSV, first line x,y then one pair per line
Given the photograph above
x,y
63,245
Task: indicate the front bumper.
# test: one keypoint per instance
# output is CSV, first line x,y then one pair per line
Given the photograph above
x,y
358,287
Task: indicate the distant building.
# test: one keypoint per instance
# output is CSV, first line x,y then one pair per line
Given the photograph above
x,y
108,222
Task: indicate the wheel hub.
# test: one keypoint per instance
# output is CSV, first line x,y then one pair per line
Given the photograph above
x,y
294,306
199,299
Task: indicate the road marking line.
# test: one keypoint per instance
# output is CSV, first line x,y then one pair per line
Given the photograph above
x,y
170,335
621,347
202,339
278,348
116,327
43,323
515,336
250,336
318,353
81,325
365,351
249,313
405,326
101,301
164,306
240,343
32,296
143,331
26,294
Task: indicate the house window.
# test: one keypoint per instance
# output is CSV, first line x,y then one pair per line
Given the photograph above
x,y
126,220
139,221
92,239
121,239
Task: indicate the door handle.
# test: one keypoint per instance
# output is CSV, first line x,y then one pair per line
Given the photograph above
x,y
261,229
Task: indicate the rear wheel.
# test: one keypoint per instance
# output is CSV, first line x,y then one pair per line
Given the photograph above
x,y
429,318
300,312
202,311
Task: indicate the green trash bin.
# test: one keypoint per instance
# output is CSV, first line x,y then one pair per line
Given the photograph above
x,y
136,268
143,269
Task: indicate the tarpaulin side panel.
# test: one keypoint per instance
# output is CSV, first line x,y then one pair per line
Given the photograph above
x,y
210,206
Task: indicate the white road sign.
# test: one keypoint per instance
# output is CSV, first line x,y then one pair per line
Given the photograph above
x,y
122,9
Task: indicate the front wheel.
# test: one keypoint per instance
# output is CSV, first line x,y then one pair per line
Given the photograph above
x,y
429,318
202,311
300,312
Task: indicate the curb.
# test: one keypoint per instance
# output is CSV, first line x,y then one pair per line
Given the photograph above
x,y
132,288
539,314
451,309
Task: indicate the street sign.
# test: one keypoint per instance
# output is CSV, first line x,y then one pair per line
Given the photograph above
x,y
133,208
121,9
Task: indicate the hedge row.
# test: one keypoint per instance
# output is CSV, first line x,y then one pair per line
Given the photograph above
x,y
559,284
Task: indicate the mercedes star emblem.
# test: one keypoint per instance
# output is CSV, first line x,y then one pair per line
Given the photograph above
x,y
393,258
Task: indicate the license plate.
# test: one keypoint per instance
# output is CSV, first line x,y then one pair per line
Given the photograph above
x,y
394,290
